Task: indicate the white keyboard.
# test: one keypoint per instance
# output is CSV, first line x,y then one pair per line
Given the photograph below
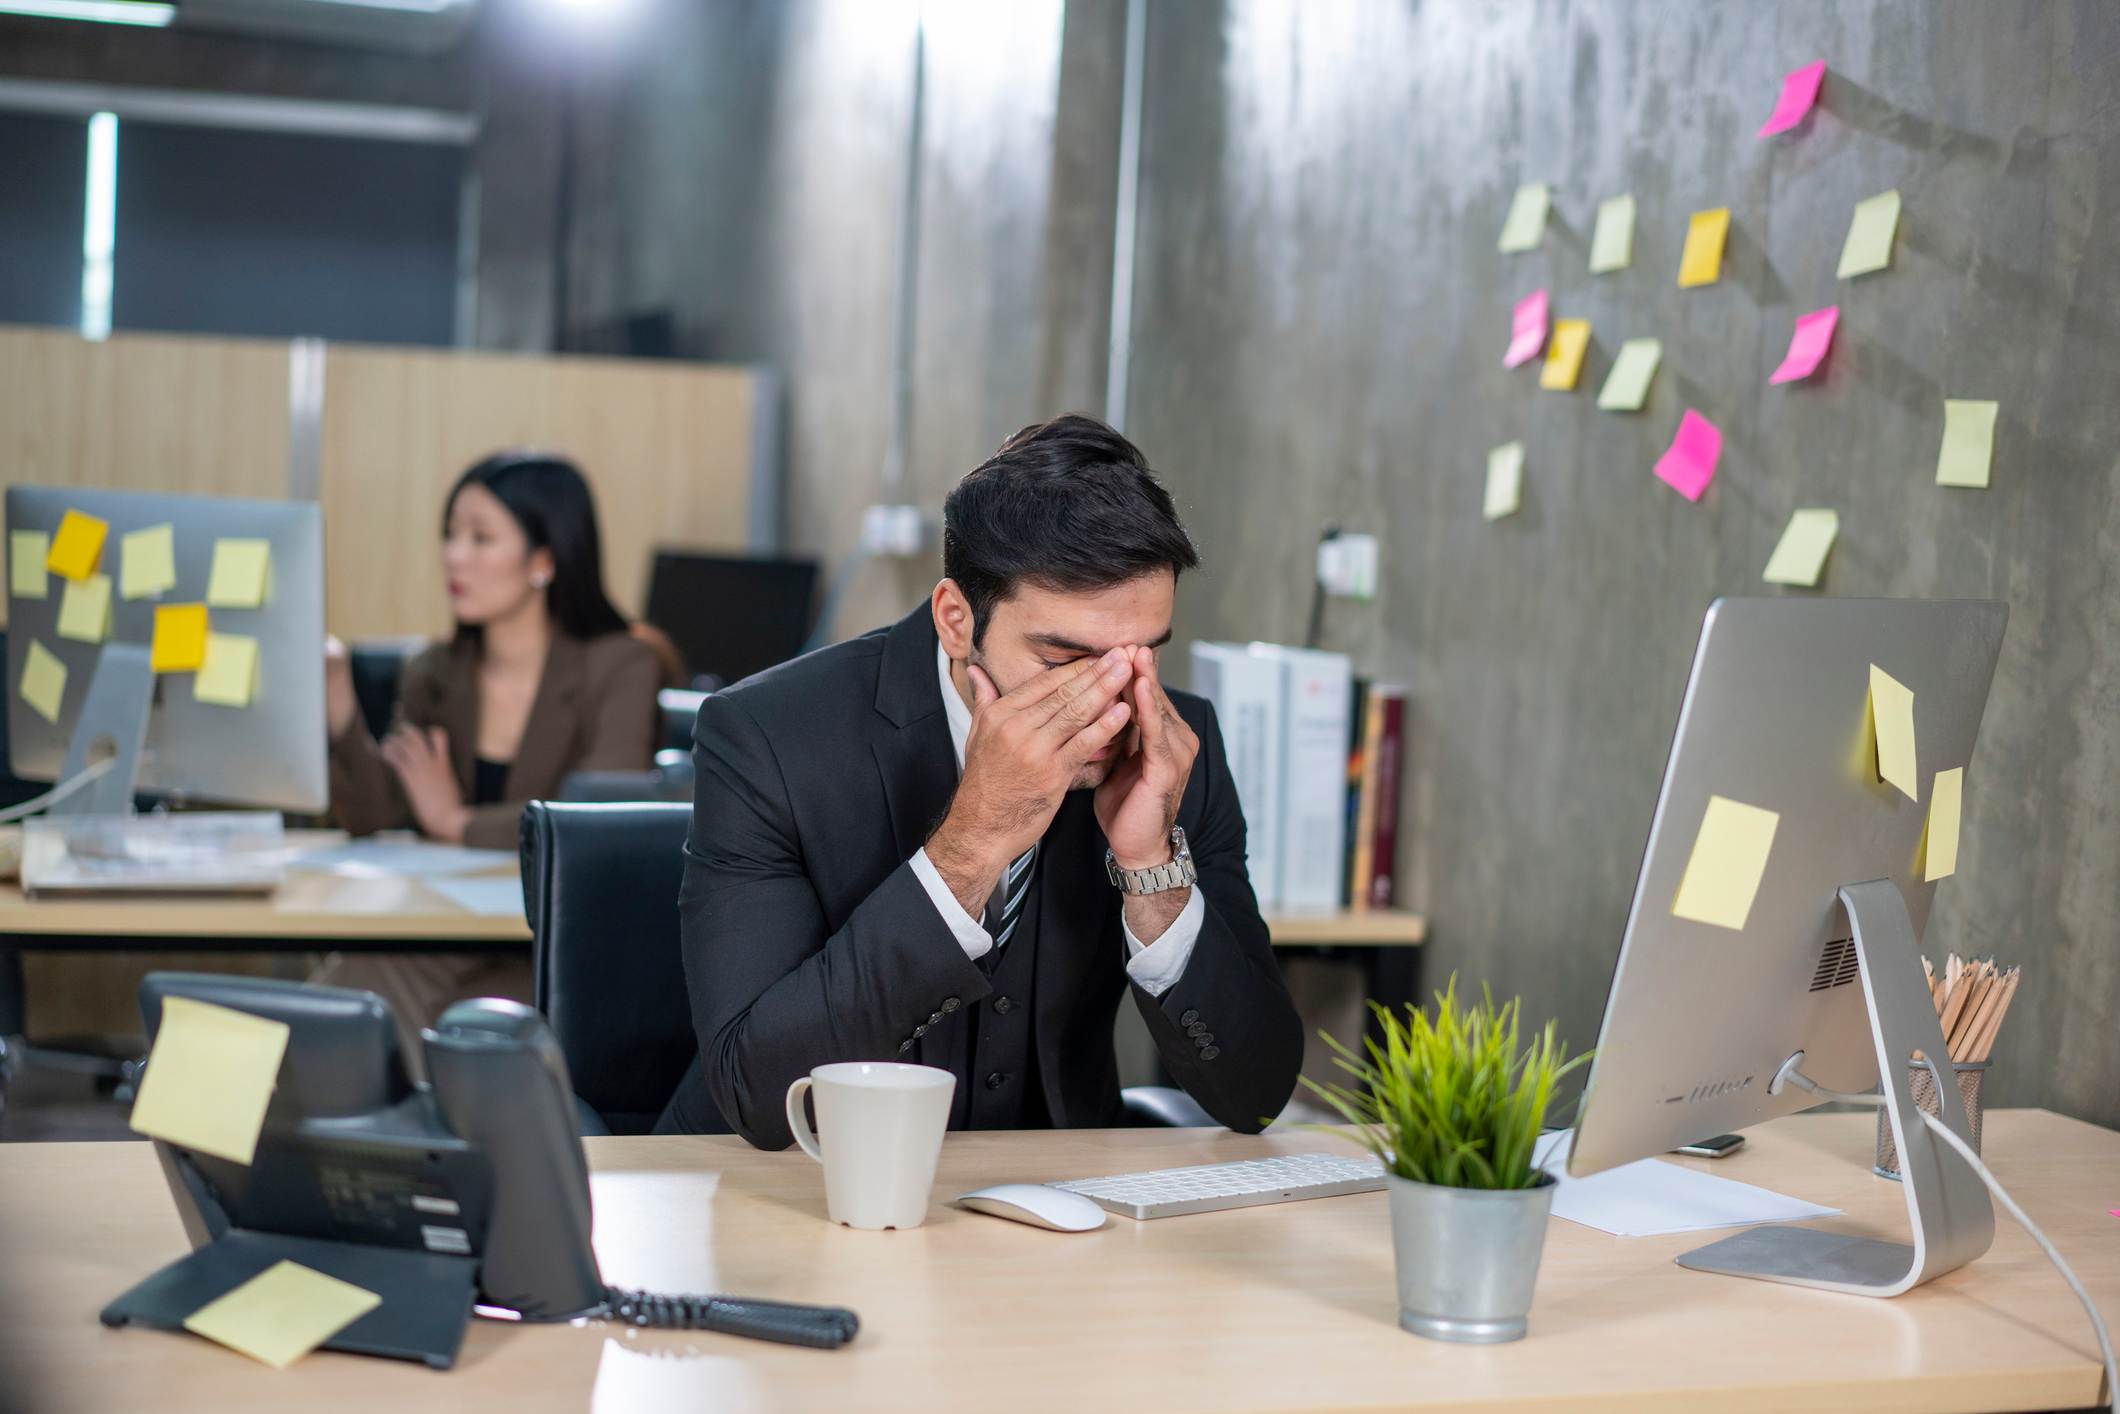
x,y
1209,1188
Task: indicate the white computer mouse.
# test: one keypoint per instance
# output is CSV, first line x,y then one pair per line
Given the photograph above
x,y
1051,1208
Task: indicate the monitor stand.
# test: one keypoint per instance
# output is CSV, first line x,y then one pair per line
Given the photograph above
x,y
1947,1205
112,725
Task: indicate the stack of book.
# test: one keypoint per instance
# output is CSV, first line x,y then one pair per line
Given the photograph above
x,y
1316,759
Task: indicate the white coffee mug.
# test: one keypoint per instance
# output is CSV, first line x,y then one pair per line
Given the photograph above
x,y
882,1129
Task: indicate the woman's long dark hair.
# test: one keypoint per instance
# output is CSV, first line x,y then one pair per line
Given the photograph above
x,y
550,500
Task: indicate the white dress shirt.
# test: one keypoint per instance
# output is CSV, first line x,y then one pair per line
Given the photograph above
x,y
1155,966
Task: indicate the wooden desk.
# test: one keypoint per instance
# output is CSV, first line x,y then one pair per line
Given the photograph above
x,y
312,911
1278,1307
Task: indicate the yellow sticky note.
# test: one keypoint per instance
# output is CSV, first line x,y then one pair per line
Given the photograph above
x,y
1612,241
229,676
242,574
1564,354
1800,557
78,547
1627,385
84,609
1939,838
26,553
209,1078
1892,726
43,681
1869,243
282,1313
1505,481
147,562
1968,442
180,638
1701,264
1729,859
1526,221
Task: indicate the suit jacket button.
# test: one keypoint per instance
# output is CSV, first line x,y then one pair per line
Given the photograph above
x,y
1196,1030
1205,1040
951,1004
1003,1005
935,1018
996,1080
920,1030
1210,1052
1189,1018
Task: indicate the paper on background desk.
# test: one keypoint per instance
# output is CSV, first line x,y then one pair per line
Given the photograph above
x,y
490,896
1649,1198
400,855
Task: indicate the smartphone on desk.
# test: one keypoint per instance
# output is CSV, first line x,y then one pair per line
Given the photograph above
x,y
1721,1146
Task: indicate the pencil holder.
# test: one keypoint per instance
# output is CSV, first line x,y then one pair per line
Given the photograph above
x,y
1970,1075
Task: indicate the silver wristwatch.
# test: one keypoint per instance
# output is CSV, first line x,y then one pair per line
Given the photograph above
x,y
1177,874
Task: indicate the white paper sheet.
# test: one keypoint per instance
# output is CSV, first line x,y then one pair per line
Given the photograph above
x,y
401,855
489,896
1650,1197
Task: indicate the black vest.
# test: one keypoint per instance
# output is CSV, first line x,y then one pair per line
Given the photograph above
x,y
989,1045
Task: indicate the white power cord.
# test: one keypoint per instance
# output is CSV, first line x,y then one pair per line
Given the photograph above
x,y
1965,1151
57,793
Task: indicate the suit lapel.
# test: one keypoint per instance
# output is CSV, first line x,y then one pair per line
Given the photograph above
x,y
913,754
550,729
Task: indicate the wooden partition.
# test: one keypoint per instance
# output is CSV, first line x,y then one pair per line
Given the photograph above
x,y
671,449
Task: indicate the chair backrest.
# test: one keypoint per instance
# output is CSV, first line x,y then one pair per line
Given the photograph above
x,y
600,890
680,708
377,665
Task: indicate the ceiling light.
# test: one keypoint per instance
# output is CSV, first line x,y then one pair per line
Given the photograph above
x,y
110,12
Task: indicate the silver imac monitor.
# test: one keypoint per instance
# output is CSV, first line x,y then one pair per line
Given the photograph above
x,y
270,752
1707,1023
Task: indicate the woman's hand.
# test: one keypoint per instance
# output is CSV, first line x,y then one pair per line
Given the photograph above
x,y
340,704
421,759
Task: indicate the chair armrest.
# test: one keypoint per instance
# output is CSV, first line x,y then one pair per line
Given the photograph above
x,y
1164,1107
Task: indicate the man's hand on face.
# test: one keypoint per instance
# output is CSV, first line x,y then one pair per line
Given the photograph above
x,y
1024,752
1138,803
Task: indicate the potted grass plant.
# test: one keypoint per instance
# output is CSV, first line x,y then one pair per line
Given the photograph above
x,y
1453,1104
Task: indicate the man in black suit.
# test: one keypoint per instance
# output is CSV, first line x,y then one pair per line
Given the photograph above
x,y
959,840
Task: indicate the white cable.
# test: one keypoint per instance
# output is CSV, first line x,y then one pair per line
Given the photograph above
x,y
1994,1186
57,793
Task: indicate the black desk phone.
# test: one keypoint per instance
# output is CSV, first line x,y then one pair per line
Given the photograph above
x,y
470,1190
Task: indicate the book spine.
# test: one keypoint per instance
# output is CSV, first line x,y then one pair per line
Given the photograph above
x,y
1350,892
1313,833
1366,817
1246,693
1390,763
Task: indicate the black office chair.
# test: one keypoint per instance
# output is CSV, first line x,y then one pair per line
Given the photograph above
x,y
600,891
378,664
680,708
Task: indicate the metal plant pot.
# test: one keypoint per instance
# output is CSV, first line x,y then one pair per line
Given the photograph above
x,y
1467,1257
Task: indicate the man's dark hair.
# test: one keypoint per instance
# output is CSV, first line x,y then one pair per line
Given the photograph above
x,y
1068,505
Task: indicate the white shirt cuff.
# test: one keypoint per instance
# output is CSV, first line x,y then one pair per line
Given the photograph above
x,y
1157,966
975,940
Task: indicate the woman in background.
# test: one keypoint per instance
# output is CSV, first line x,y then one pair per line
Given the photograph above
x,y
540,679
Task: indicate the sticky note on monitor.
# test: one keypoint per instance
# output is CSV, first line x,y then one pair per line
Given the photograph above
x,y
180,638
1527,329
209,1078
84,609
1800,557
282,1313
1701,264
1505,481
1627,385
242,574
1729,859
26,553
1869,243
229,675
1799,90
1612,239
43,684
1688,467
1939,838
147,562
1564,356
1526,221
1808,344
1892,727
78,547
1968,443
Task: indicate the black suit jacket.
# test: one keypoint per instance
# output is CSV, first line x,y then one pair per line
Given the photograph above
x,y
808,938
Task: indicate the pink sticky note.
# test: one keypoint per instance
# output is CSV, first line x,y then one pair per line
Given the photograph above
x,y
1527,329
1798,92
1808,345
1690,464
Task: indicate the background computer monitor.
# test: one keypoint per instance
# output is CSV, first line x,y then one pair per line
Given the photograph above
x,y
271,753
732,616
1776,715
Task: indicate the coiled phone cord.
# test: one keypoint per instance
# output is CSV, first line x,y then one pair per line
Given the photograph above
x,y
819,1327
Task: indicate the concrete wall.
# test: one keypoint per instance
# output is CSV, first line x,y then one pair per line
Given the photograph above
x,y
1321,312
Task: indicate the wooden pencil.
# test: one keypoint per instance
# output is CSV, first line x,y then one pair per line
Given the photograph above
x,y
1976,1020
1984,1044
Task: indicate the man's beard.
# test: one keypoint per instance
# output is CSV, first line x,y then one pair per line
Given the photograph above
x,y
1096,773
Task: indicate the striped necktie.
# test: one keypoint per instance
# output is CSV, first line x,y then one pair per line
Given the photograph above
x,y
1015,887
